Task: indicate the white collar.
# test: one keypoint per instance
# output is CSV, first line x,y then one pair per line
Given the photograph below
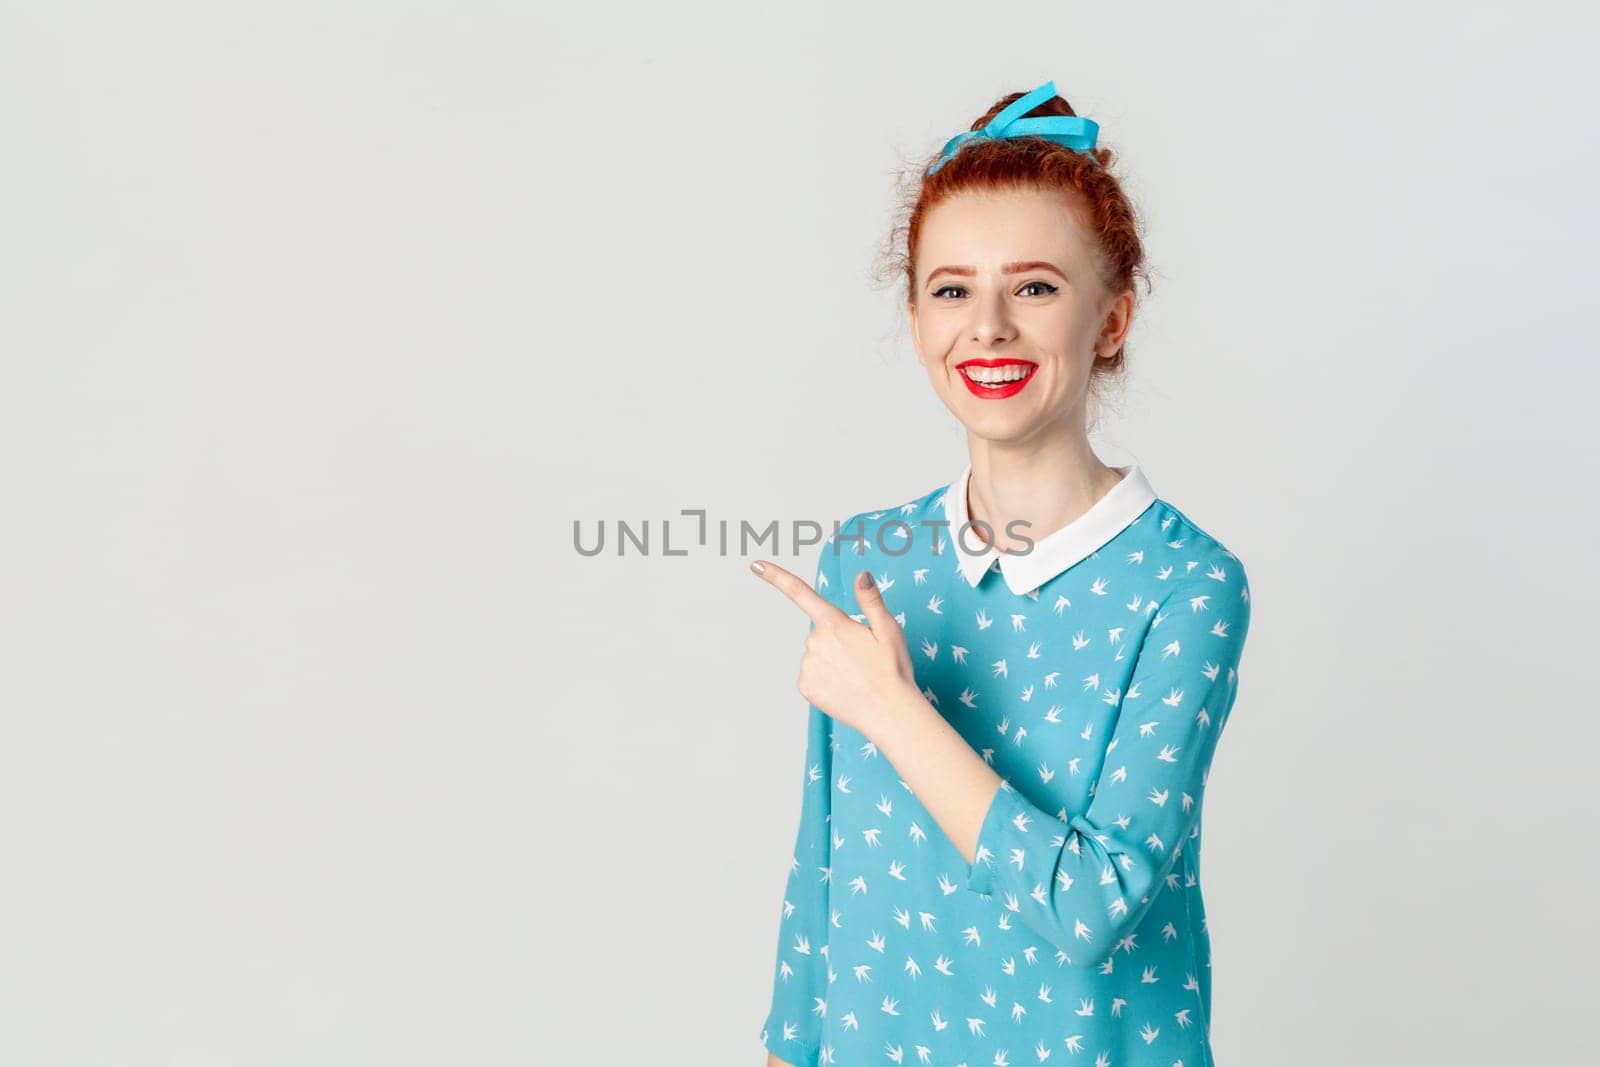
x,y
1057,551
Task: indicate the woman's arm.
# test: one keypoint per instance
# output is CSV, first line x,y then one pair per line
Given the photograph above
x,y
947,777
1086,883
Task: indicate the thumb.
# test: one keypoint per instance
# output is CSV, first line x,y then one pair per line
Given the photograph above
x,y
871,600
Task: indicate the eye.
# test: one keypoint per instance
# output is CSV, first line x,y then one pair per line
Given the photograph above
x,y
943,288
1046,286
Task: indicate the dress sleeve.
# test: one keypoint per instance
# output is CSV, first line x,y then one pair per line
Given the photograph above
x,y
801,972
1086,884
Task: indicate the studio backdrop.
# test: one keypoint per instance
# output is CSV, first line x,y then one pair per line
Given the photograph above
x,y
334,338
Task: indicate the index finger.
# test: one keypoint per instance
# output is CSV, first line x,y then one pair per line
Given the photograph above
x,y
796,589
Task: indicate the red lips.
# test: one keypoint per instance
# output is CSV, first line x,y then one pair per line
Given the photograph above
x,y
997,392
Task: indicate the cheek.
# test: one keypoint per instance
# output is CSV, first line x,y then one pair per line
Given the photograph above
x,y
939,334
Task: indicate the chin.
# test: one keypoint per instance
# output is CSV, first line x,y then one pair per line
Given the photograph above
x,y
994,426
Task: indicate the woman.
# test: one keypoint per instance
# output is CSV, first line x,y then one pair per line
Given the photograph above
x,y
999,844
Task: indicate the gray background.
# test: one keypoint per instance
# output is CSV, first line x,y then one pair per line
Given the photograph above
x,y
320,744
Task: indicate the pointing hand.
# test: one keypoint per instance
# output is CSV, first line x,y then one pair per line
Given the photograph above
x,y
854,673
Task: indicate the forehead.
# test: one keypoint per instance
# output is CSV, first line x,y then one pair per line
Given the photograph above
x,y
983,230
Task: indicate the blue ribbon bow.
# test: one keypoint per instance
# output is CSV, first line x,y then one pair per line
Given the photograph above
x,y
1073,131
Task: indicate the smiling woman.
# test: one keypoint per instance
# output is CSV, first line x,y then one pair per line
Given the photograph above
x,y
1037,332
998,852
1019,264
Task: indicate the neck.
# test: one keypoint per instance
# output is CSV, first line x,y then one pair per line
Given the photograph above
x,y
1046,484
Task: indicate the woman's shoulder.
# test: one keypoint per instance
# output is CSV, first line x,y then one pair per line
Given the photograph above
x,y
893,517
893,529
1197,554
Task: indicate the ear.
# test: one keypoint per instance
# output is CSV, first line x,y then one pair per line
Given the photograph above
x,y
1118,321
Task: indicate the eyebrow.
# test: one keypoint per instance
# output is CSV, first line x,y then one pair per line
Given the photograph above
x,y
1019,267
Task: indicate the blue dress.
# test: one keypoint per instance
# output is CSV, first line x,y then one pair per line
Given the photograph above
x,y
1094,674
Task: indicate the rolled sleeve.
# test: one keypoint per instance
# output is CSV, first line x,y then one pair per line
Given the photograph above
x,y
992,840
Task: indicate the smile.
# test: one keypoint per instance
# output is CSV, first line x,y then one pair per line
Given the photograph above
x,y
996,379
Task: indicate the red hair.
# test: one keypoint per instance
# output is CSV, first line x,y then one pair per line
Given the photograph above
x,y
987,165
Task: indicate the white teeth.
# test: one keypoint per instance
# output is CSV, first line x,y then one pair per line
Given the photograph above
x,y
1014,372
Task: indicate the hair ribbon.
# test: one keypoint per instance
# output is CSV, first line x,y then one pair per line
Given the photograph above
x,y
1073,131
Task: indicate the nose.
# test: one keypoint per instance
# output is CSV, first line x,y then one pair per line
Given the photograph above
x,y
991,320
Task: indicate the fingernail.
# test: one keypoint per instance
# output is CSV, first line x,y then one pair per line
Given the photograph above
x,y
865,580
757,566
